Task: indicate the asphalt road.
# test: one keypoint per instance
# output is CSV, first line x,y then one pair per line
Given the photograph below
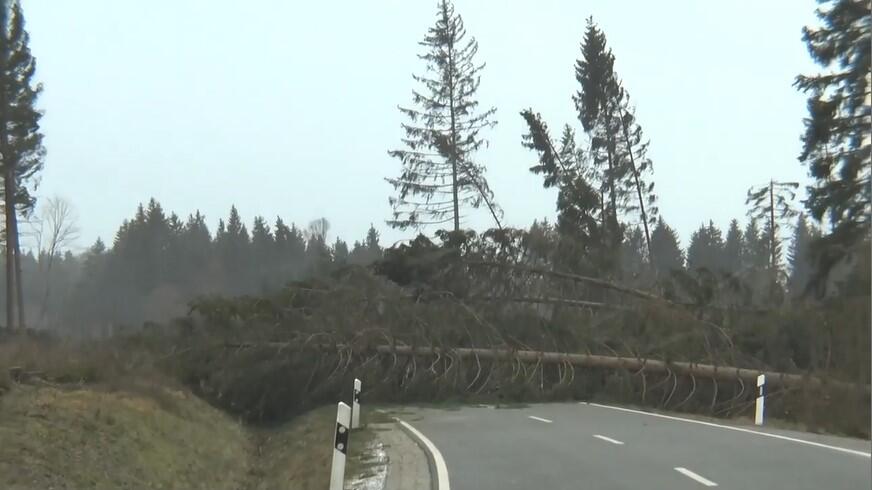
x,y
580,446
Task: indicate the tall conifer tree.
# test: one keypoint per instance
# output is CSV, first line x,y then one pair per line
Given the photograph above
x,y
439,176
21,149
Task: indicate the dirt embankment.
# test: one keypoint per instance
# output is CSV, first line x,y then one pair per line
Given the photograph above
x,y
88,437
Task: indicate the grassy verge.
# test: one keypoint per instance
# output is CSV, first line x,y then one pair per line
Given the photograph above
x,y
89,438
102,416
298,454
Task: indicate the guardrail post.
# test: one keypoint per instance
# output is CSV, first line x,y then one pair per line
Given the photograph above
x,y
761,396
355,405
340,446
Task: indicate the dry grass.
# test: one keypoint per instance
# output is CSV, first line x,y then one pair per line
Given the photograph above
x,y
101,416
298,454
83,438
66,362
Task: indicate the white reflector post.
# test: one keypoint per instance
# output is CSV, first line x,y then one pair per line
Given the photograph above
x,y
340,446
761,396
355,405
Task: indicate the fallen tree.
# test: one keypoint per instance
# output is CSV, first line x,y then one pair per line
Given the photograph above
x,y
774,379
721,373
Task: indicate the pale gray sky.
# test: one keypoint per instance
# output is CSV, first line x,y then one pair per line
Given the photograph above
x,y
289,107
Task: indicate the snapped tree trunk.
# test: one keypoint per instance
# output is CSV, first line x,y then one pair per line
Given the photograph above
x,y
638,189
9,203
613,199
452,146
772,225
19,288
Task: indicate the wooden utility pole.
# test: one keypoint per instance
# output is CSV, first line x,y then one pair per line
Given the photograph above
x,y
773,255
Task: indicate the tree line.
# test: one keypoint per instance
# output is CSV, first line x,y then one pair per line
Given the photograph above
x,y
608,224
157,262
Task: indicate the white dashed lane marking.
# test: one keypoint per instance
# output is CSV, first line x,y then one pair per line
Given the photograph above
x,y
693,476
609,439
540,419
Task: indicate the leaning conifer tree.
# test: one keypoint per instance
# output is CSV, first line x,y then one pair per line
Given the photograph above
x,y
618,149
595,102
633,149
20,142
439,176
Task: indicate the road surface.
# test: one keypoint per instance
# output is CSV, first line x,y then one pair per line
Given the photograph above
x,y
581,446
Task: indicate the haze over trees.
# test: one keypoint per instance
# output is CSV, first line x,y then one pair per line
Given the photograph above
x,y
608,273
266,317
157,262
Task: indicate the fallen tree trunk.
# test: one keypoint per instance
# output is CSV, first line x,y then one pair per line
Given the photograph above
x,y
552,301
774,379
573,277
604,284
723,373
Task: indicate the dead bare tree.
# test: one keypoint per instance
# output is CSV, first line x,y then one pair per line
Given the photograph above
x,y
53,230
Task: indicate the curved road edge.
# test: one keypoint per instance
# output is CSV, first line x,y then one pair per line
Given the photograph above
x,y
438,468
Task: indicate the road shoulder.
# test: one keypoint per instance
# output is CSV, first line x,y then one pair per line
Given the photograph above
x,y
407,464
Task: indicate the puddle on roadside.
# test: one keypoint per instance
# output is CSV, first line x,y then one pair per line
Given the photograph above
x,y
373,469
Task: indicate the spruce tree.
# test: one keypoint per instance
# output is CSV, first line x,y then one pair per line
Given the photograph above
x,y
232,245
836,142
665,249
262,253
289,251
357,254
296,250
706,249
633,254
800,257
756,258
617,146
595,103
372,245
340,253
21,149
755,251
439,174
772,204
733,247
177,270
372,241
261,237
196,250
580,211
157,236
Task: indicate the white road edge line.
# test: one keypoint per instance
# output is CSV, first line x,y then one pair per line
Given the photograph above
x,y
441,467
737,429
609,439
686,472
540,419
